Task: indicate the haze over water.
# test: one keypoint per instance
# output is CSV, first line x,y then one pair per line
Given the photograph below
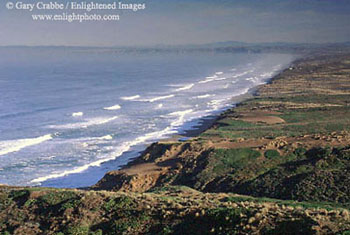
x,y
69,115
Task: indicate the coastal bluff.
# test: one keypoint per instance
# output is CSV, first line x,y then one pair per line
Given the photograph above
x,y
289,141
277,163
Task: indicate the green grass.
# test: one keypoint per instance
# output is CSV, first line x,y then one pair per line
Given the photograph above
x,y
219,220
319,120
305,205
272,154
54,198
234,158
116,204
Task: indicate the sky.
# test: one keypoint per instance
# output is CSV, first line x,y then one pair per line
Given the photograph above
x,y
177,22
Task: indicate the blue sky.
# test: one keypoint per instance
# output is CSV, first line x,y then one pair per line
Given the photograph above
x,y
189,22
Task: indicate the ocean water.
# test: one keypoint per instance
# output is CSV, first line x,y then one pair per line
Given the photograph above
x,y
69,115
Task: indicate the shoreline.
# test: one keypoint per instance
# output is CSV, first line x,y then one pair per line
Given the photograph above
x,y
279,158
201,125
204,123
167,160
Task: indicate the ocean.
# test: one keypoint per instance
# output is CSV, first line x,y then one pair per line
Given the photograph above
x,y
69,115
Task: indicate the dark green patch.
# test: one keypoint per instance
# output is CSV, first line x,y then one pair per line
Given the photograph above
x,y
234,158
214,221
272,154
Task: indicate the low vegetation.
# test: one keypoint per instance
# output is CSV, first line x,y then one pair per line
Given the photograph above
x,y
278,163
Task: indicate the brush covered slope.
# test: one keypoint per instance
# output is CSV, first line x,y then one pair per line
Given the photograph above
x,y
167,210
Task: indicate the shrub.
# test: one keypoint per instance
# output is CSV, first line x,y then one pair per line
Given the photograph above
x,y
80,230
300,152
272,154
318,153
236,158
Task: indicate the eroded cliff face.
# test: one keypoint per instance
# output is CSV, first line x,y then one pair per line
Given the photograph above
x,y
158,166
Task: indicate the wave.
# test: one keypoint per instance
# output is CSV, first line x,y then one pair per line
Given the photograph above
x,y
220,79
158,98
91,122
219,73
160,106
266,75
251,79
130,97
179,121
204,96
126,146
123,148
9,146
114,107
240,74
181,116
106,137
215,104
206,81
77,114
187,87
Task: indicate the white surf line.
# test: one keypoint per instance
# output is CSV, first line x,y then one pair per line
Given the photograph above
x,y
10,146
181,118
205,96
106,137
220,79
77,114
187,87
85,124
151,100
123,148
208,79
130,97
114,107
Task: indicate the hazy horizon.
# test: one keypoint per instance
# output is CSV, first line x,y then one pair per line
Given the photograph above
x,y
165,22
176,45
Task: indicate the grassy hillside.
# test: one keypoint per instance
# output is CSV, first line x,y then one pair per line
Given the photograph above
x,y
169,210
278,163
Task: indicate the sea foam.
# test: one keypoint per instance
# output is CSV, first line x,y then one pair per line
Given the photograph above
x,y
114,107
9,146
77,114
130,97
158,98
205,96
187,87
85,124
122,148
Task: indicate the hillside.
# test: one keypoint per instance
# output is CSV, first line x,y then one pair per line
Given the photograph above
x,y
289,141
278,163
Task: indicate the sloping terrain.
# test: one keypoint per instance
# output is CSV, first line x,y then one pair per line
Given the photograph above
x,y
278,163
170,210
289,141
